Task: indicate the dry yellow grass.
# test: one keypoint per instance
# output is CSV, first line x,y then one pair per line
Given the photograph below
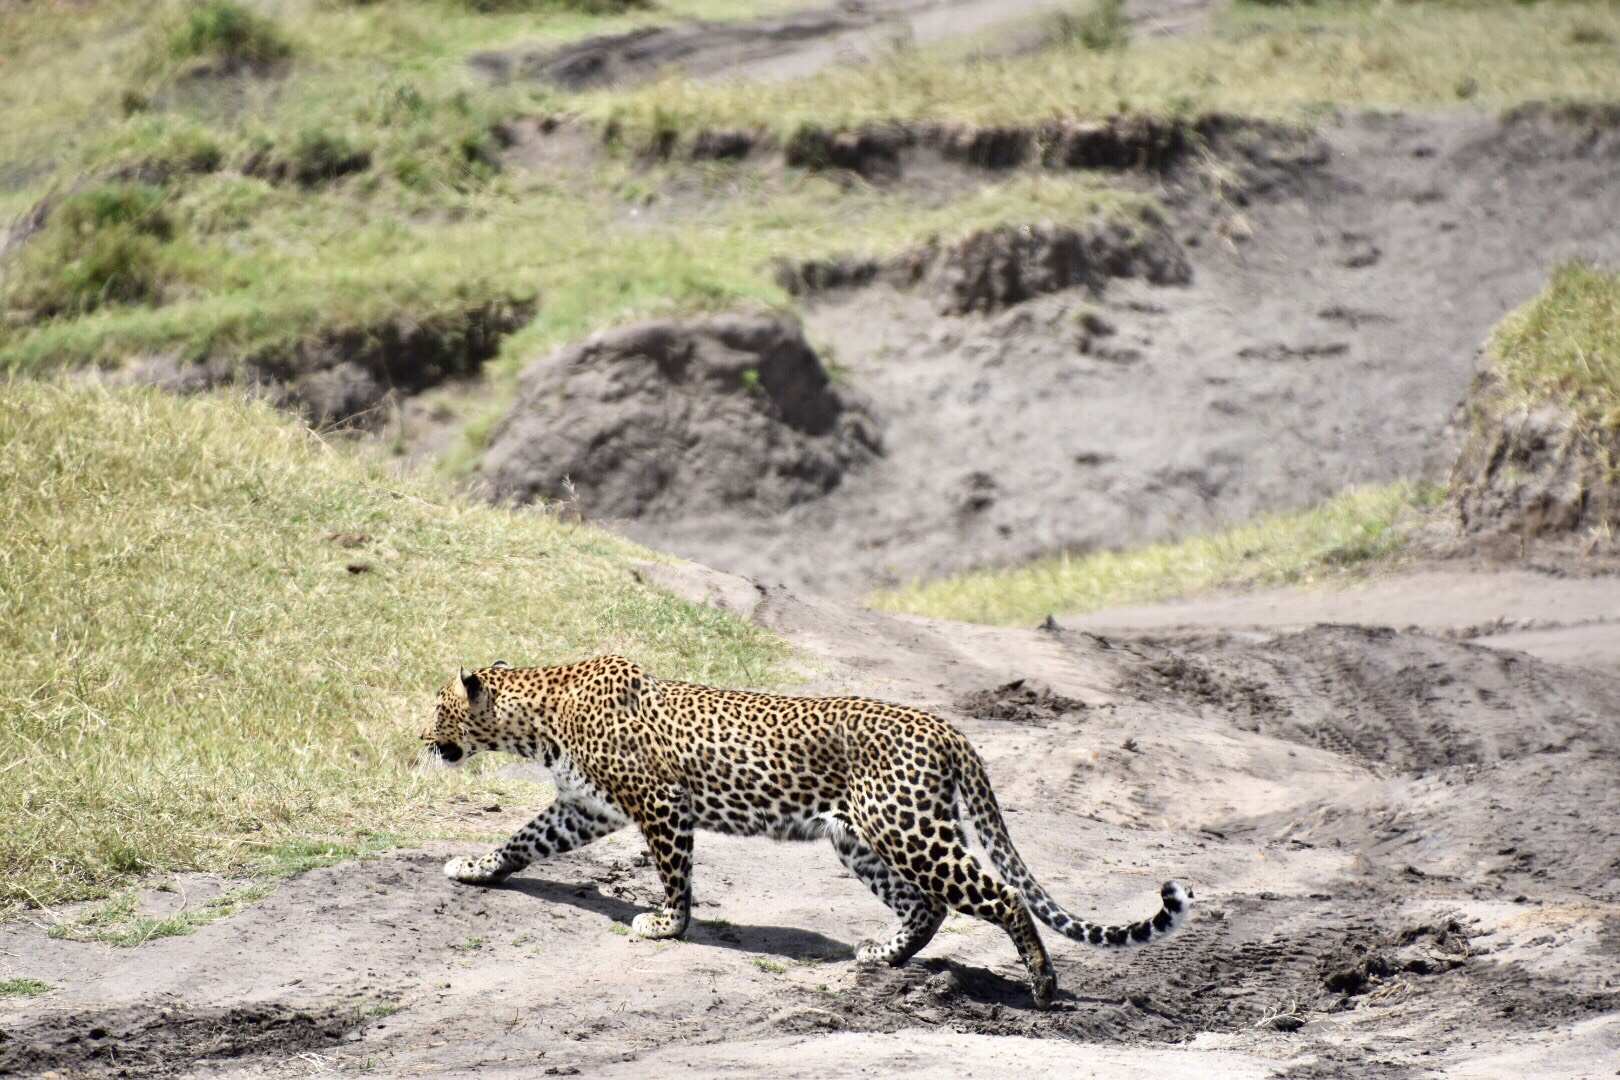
x,y
199,676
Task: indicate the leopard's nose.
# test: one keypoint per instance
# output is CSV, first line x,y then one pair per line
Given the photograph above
x,y
449,751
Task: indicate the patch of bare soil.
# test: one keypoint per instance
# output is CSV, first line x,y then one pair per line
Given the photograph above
x,y
730,414
347,377
1340,286
160,1041
1562,610
1399,843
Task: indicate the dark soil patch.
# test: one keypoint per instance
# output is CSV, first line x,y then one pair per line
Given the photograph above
x,y
1020,702
165,1040
995,269
1261,960
343,377
670,419
1186,678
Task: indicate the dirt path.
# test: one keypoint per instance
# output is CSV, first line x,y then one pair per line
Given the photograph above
x,y
1397,840
799,44
1548,614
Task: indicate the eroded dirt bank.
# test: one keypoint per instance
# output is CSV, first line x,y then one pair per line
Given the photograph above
x,y
1399,844
1340,288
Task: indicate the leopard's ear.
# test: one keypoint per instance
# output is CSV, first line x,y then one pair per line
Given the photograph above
x,y
471,685
501,665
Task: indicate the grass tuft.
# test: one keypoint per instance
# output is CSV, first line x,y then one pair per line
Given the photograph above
x,y
228,35
102,246
22,988
1356,528
1102,27
1564,345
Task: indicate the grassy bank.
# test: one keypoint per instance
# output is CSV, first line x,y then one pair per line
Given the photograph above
x,y
224,637
1564,346
1281,60
1340,536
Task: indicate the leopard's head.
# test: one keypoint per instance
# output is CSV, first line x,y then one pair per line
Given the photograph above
x,y
464,721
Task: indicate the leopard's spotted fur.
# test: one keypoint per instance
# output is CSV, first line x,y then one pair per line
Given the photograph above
x,y
894,788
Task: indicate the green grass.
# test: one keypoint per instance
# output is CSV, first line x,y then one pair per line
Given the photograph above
x,y
375,189
196,682
224,33
22,988
117,921
1289,62
1564,346
106,245
1358,528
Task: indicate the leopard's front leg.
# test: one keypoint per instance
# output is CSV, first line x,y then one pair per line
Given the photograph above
x,y
562,826
667,824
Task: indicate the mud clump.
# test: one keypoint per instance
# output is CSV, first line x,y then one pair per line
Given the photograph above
x,y
997,268
1533,471
340,377
671,418
148,1042
1186,678
1364,965
1019,702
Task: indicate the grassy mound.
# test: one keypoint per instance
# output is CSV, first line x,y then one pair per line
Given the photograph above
x,y
1542,452
1348,531
1564,346
224,636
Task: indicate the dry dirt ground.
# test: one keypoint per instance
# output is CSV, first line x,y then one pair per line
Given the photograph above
x,y
1404,848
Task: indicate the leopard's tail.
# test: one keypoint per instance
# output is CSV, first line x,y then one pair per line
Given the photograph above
x,y
976,806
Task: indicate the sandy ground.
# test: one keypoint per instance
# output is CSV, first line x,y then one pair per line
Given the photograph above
x,y
1404,848
1548,612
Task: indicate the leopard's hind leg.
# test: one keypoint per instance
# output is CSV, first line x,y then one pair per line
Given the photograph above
x,y
932,857
920,917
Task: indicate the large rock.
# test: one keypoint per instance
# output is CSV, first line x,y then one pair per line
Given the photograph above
x,y
674,418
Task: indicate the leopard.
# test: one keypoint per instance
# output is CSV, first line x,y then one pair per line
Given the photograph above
x,y
902,795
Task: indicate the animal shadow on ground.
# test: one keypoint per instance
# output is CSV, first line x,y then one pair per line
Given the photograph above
x,y
788,942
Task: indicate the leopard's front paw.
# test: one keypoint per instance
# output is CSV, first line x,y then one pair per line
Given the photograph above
x,y
657,924
471,871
